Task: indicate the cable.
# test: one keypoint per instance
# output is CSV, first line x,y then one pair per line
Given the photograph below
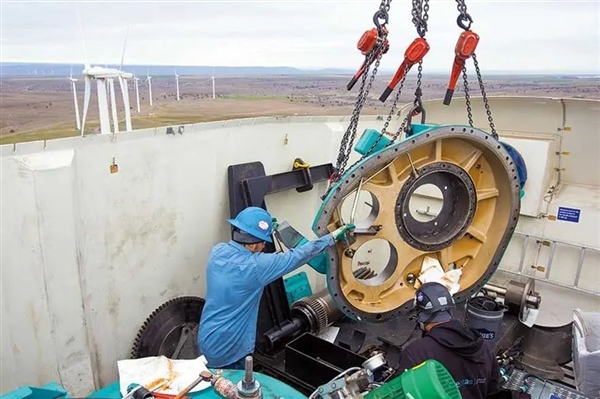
x,y
316,392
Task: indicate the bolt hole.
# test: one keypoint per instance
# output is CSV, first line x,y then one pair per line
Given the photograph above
x,y
486,137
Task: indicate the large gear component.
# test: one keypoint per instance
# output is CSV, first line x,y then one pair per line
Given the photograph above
x,y
478,189
171,330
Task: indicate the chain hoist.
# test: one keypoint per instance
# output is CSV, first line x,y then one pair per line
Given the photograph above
x,y
414,54
465,49
373,44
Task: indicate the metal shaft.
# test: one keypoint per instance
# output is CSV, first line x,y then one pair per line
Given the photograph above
x,y
533,301
248,375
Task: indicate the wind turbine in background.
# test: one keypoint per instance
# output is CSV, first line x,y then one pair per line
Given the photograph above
x,y
137,92
73,80
213,81
124,91
177,83
149,85
101,76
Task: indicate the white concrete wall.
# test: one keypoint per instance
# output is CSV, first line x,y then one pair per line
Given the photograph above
x,y
87,254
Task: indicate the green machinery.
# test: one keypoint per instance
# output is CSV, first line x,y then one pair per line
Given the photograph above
x,y
429,380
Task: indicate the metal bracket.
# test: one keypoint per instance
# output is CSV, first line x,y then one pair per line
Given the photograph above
x,y
257,186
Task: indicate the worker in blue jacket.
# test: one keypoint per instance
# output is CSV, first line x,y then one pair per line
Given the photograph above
x,y
236,274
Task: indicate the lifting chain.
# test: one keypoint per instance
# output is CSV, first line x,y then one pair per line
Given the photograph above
x,y
464,21
420,14
380,19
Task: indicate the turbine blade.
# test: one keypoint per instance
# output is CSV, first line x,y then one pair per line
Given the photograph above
x,y
86,102
124,46
125,92
86,61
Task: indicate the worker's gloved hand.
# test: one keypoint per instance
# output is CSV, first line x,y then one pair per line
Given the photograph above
x,y
340,233
274,223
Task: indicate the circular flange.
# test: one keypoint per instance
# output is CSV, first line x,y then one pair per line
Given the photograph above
x,y
473,240
459,204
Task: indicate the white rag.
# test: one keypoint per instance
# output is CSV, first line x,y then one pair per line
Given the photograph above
x,y
171,376
431,270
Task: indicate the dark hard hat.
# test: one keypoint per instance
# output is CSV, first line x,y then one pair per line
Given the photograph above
x,y
433,303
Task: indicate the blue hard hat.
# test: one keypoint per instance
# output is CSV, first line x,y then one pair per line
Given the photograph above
x,y
433,303
256,222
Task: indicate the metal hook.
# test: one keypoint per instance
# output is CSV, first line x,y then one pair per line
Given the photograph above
x,y
417,109
422,29
462,18
383,15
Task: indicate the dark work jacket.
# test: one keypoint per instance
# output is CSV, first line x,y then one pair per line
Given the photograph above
x,y
469,359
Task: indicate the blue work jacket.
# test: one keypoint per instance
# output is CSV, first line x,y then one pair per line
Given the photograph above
x,y
235,278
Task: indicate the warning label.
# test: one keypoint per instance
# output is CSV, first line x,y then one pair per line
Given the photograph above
x,y
568,214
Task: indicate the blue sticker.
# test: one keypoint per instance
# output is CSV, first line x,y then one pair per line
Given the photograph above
x,y
420,296
553,396
568,214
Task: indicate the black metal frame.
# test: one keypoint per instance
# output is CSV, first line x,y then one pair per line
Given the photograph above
x,y
248,186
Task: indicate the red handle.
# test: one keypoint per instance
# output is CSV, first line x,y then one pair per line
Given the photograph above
x,y
465,48
413,54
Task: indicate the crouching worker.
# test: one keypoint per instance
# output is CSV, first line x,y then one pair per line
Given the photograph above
x,y
469,359
236,274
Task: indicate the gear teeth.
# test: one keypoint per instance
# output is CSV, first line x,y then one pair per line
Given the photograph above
x,y
137,342
318,308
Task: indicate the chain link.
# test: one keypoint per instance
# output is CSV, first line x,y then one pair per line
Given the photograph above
x,y
418,93
483,94
420,14
485,99
385,126
350,135
461,6
467,95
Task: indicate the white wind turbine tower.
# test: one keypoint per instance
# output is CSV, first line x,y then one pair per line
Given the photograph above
x,y
101,75
177,83
137,92
113,103
149,86
73,80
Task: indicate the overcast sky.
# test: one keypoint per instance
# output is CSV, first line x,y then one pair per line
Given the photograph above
x,y
550,35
